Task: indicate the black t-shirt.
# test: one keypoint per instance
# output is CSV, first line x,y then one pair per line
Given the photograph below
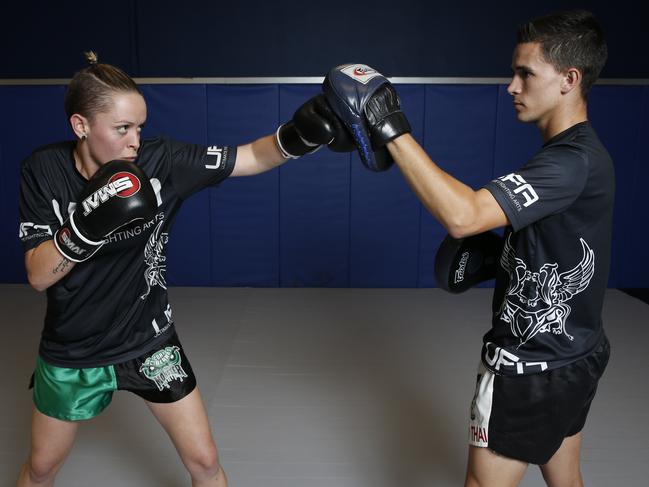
x,y
114,306
553,271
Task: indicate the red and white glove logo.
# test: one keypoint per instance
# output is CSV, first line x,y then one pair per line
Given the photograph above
x,y
360,72
122,184
125,184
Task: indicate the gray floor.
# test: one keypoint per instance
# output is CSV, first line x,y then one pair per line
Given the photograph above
x,y
326,387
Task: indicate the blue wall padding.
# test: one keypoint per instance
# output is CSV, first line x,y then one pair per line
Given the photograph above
x,y
384,243
5,230
324,220
635,260
314,211
459,137
617,115
244,218
31,116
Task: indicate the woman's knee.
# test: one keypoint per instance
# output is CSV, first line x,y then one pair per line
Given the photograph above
x,y
204,462
41,468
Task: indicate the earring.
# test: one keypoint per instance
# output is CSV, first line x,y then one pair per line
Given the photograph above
x,y
84,136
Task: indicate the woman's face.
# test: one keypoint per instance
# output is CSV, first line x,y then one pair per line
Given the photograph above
x,y
115,134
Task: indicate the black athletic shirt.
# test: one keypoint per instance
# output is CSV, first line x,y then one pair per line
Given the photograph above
x,y
112,307
554,268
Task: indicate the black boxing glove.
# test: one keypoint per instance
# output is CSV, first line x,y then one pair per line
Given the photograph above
x,y
384,116
313,125
116,195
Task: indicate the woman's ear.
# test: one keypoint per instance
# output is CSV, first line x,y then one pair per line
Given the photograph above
x,y
79,125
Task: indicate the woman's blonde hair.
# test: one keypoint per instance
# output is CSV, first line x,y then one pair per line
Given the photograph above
x,y
90,91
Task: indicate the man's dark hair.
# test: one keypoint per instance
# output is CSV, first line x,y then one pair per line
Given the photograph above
x,y
569,39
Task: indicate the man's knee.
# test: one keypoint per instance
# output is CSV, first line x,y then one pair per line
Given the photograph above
x,y
487,468
471,480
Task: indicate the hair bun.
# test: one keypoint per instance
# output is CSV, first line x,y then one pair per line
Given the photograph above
x,y
91,57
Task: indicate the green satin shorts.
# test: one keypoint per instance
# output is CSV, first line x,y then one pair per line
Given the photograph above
x,y
73,394
162,375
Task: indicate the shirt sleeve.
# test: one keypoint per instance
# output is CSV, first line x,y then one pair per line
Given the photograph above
x,y
195,167
38,220
546,185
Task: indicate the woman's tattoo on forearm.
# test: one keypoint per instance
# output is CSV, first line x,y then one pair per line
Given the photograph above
x,y
61,266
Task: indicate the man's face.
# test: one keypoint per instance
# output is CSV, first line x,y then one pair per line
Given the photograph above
x,y
536,85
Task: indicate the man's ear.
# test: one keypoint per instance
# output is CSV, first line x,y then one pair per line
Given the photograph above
x,y
571,80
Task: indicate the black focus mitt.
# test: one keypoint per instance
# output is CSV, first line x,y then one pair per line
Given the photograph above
x,y
369,107
462,263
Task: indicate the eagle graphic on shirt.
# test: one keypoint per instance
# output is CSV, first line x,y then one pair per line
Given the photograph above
x,y
537,302
155,260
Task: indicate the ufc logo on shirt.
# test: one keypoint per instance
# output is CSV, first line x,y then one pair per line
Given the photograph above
x,y
27,227
522,187
217,152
